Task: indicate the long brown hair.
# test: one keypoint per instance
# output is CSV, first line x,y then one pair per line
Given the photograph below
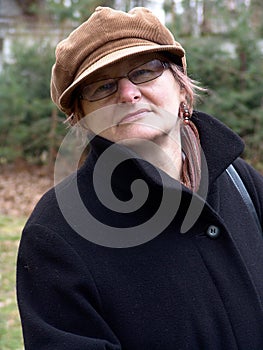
x,y
191,86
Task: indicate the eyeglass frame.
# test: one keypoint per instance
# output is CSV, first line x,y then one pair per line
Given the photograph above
x,y
165,65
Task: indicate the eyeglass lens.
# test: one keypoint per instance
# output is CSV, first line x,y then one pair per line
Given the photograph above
x,y
139,75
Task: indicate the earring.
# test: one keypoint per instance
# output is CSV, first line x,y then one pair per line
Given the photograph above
x,y
185,112
191,169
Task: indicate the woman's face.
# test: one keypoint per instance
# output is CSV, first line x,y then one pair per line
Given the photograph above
x,y
148,111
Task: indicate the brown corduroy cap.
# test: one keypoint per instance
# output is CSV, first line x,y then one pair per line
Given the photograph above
x,y
106,37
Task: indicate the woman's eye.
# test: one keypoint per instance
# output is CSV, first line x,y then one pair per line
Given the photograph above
x,y
104,87
141,72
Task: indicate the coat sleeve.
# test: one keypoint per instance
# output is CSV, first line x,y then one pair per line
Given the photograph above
x,y
59,303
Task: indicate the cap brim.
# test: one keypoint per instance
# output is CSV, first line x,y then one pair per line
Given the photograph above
x,y
65,98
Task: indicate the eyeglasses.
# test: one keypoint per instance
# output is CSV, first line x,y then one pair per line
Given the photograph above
x,y
139,75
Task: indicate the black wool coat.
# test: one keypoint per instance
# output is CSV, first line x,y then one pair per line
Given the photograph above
x,y
199,290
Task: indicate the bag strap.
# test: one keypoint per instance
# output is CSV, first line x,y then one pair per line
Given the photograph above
x,y
236,179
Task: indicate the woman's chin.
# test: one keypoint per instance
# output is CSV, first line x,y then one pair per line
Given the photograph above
x,y
129,134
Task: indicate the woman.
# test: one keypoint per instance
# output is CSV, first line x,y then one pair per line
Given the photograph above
x,y
189,274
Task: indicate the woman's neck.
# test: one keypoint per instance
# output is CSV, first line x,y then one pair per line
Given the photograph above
x,y
165,153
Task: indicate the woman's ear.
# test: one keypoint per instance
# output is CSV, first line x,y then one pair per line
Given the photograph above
x,y
183,94
78,112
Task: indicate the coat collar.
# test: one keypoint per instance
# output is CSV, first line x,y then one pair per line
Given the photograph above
x,y
220,146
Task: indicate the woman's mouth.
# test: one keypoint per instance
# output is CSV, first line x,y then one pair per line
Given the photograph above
x,y
131,117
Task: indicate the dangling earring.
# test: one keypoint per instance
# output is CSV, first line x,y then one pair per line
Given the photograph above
x,y
191,170
185,113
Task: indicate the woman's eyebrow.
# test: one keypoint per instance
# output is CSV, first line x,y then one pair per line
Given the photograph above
x,y
130,66
104,76
96,78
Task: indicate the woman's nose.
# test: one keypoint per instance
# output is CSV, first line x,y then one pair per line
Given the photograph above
x,y
128,92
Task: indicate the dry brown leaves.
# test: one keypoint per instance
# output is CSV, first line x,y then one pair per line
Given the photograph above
x,y
20,189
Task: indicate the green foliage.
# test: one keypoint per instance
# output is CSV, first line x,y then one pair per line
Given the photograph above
x,y
231,69
26,107
223,55
77,10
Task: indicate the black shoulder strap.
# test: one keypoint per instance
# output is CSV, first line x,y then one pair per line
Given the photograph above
x,y
233,174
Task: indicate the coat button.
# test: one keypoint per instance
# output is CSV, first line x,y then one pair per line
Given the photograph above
x,y
213,231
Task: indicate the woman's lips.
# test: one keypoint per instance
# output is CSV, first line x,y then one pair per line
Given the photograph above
x,y
128,118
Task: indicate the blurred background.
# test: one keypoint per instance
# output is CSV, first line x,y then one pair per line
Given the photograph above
x,y
224,45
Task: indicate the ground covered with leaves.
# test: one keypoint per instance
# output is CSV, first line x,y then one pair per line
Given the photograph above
x,y
21,188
